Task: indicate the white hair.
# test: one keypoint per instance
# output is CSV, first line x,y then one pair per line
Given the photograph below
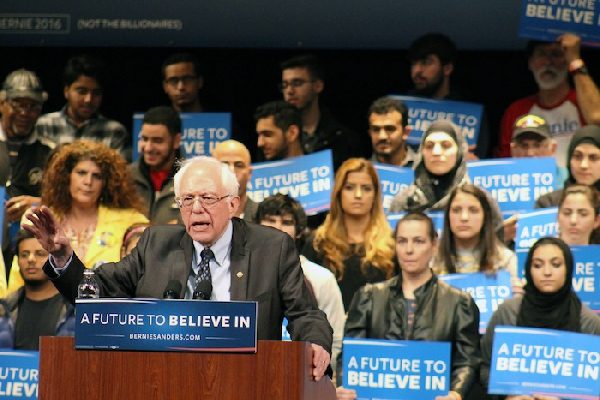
x,y
228,178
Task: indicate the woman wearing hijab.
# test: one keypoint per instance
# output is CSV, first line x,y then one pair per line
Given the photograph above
x,y
583,164
440,166
548,302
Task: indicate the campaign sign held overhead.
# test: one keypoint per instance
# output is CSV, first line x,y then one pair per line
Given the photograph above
x,y
547,19
201,132
392,180
489,290
544,361
307,179
422,112
166,325
515,183
396,369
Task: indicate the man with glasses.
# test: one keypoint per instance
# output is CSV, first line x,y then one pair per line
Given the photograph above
x,y
83,79
182,81
23,153
565,109
213,254
302,82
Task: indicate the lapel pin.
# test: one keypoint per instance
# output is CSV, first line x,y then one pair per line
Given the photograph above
x,y
240,274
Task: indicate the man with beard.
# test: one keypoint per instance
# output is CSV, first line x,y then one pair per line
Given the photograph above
x,y
83,79
182,81
23,153
279,127
153,173
36,309
388,129
302,82
432,60
565,109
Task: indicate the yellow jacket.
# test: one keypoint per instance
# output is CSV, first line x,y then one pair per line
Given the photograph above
x,y
105,245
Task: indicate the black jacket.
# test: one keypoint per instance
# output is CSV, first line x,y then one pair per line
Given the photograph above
x,y
443,314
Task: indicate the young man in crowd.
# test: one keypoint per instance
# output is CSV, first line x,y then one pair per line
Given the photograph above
x,y
36,309
153,173
84,80
182,82
279,128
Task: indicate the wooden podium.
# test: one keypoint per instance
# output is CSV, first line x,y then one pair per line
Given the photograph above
x,y
279,370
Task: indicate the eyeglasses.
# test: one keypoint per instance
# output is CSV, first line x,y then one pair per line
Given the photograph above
x,y
295,83
186,79
206,200
25,107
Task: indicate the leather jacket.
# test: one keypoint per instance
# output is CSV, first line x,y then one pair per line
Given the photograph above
x,y
442,313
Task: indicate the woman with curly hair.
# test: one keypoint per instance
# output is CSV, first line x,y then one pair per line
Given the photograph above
x,y
355,241
88,188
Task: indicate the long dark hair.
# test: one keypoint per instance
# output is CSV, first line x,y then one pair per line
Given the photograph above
x,y
488,243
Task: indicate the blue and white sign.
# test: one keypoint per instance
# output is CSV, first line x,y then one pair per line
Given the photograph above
x,y
547,19
307,179
19,374
393,180
201,132
586,277
396,369
534,225
437,217
422,112
488,291
543,361
515,183
166,325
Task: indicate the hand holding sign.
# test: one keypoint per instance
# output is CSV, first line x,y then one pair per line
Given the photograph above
x,y
571,45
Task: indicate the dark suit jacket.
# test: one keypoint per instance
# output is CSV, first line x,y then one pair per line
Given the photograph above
x,y
264,268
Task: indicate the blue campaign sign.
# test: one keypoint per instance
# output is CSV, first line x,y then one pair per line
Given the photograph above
x,y
201,132
166,325
515,183
422,112
488,291
19,374
396,369
534,225
307,179
544,361
586,277
547,19
437,218
392,180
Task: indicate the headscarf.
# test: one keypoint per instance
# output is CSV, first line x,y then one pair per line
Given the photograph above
x,y
587,134
559,310
429,190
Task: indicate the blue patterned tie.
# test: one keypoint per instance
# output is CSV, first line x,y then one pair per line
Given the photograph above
x,y
204,271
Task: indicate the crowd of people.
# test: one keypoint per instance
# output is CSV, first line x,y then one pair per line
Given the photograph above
x,y
71,184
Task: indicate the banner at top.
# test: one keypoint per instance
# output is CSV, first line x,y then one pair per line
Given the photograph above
x,y
307,179
548,19
201,132
422,112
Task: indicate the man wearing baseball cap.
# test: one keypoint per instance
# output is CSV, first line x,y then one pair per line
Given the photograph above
x,y
22,153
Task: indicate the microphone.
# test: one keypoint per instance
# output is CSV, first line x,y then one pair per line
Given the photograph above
x,y
172,290
203,290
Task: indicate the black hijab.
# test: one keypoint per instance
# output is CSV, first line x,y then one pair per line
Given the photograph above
x,y
587,134
559,310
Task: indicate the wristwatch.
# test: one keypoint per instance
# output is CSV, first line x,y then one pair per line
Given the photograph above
x,y
577,66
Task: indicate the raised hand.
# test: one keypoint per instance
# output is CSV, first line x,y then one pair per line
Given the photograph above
x,y
47,231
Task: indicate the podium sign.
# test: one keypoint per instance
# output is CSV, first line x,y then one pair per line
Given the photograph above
x,y
165,325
